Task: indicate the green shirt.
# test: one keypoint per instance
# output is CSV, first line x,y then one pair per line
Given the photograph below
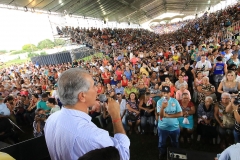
x,y
128,91
42,104
55,109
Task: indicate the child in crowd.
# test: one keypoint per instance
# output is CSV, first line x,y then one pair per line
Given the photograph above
x,y
185,77
39,122
53,105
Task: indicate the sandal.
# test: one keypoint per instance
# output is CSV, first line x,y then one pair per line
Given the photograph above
x,y
129,132
182,140
137,132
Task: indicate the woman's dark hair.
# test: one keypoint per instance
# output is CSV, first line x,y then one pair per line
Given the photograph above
x,y
8,98
134,94
219,58
35,95
52,100
38,110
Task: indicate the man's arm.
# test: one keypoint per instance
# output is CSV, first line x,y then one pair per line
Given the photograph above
x,y
114,111
38,105
176,115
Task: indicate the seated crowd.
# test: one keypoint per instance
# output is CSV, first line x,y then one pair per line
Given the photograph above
x,y
157,86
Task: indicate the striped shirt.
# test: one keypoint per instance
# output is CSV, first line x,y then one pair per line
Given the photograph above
x,y
70,134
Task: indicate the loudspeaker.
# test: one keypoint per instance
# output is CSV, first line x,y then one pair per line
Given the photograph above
x,y
129,23
104,21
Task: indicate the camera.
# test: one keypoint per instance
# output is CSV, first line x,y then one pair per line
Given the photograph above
x,y
42,116
237,100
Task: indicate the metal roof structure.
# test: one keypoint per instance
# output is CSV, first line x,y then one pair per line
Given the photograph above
x,y
134,11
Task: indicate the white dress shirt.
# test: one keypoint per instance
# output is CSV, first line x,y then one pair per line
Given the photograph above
x,y
70,134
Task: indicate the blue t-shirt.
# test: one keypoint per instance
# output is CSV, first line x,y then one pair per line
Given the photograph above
x,y
169,124
128,74
113,82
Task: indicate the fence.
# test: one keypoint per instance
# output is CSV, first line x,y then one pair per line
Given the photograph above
x,y
231,32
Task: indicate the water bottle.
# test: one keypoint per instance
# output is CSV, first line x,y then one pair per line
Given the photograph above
x,y
165,99
155,127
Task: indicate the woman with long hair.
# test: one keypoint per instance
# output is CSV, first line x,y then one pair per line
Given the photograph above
x,y
133,112
229,84
147,106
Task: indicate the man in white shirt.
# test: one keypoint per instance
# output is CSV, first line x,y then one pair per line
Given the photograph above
x,y
122,103
203,65
70,133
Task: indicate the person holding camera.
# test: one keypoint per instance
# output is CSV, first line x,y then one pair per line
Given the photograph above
x,y
225,120
70,133
234,107
39,122
203,65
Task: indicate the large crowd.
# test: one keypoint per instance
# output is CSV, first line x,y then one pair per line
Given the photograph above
x,y
197,74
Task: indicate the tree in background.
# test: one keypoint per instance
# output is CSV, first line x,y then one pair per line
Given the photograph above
x,y
3,51
59,42
46,44
29,47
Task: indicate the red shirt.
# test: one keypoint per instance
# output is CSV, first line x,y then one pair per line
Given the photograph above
x,y
104,75
134,60
124,84
119,75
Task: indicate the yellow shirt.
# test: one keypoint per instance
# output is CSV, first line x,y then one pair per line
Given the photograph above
x,y
5,156
144,71
175,58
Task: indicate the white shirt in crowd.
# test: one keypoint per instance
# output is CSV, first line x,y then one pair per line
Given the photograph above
x,y
4,109
155,69
207,65
122,106
55,94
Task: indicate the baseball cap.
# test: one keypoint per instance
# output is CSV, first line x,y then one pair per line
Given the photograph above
x,y
223,53
166,89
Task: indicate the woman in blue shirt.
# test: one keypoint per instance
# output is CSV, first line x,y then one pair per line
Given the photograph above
x,y
128,73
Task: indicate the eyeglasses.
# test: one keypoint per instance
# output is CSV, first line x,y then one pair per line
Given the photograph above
x,y
226,98
230,75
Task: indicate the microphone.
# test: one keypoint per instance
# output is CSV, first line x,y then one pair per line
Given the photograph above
x,y
102,98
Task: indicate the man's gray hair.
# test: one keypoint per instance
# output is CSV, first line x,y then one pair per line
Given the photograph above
x,y
182,85
209,97
70,84
226,94
185,94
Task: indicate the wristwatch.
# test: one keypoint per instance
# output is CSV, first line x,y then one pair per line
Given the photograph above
x,y
235,110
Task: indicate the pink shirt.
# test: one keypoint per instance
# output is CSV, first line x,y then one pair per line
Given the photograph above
x,y
179,94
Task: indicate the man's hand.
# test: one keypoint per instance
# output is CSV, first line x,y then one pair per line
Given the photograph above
x,y
113,108
164,105
235,107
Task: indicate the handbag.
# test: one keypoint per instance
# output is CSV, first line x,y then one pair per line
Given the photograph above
x,y
132,117
228,121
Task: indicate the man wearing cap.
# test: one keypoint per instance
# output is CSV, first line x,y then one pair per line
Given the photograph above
x,y
168,110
